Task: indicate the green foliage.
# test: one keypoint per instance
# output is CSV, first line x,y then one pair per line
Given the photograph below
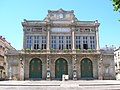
x,y
90,50
77,49
27,49
52,50
65,50
39,50
116,5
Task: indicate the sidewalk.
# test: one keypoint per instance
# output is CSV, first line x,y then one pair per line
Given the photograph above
x,y
61,85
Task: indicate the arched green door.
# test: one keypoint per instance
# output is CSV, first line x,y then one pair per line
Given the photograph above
x,y
86,68
61,67
35,69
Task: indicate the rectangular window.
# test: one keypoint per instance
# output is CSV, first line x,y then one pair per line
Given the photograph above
x,y
85,42
61,43
43,42
68,42
29,42
53,42
77,38
92,42
36,42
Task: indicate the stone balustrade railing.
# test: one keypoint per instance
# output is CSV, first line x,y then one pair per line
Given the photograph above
x,y
55,51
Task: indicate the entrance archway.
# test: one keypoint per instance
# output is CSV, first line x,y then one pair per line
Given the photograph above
x,y
86,68
35,69
61,67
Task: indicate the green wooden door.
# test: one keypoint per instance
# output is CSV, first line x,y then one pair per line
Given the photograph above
x,y
61,68
35,70
86,68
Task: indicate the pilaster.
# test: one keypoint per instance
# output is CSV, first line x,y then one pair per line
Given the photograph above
x,y
97,38
57,43
81,41
73,38
89,41
48,39
24,40
48,68
40,42
22,68
32,47
74,67
100,68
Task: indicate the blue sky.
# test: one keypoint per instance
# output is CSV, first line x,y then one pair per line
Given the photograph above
x,y
12,13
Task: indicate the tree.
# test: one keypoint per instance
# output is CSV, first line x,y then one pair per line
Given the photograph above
x,y
116,5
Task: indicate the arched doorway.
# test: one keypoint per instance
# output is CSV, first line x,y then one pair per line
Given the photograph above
x,y
86,68
35,69
61,67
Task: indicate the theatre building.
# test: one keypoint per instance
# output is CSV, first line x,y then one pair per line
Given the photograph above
x,y
58,45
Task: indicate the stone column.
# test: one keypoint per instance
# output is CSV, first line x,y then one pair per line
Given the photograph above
x,y
88,42
97,36
64,42
48,69
48,39
57,43
81,41
73,39
74,67
40,42
24,40
32,47
100,68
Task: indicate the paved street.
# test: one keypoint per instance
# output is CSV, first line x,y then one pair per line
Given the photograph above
x,y
61,85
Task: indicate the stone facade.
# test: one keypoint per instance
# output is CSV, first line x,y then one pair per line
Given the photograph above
x,y
4,46
117,62
60,44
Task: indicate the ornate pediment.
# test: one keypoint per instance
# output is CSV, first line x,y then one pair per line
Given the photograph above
x,y
60,15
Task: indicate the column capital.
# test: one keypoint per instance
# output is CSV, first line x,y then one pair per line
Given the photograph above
x,y
73,28
48,27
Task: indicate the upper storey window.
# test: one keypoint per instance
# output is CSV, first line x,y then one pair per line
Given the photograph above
x,y
85,42
68,42
43,42
60,15
78,42
53,42
92,42
61,42
36,42
87,29
29,42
